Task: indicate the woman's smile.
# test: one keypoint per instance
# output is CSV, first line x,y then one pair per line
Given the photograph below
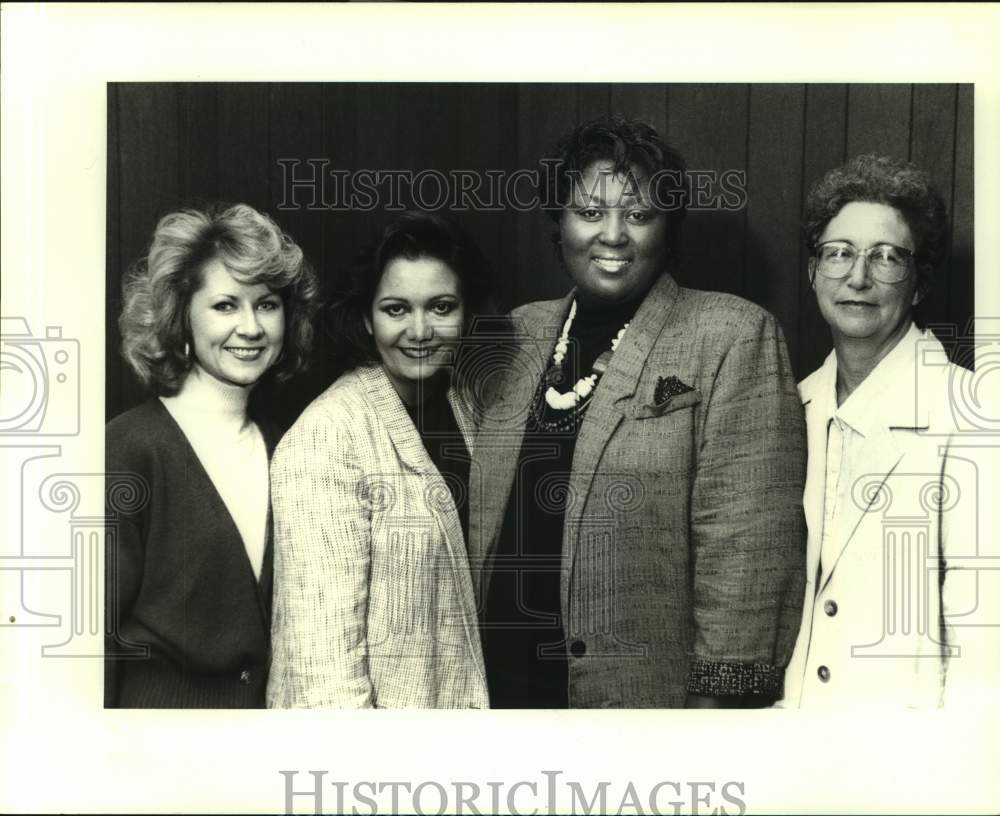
x,y
418,353
611,264
245,353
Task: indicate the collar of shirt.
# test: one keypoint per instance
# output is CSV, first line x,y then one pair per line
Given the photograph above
x,y
886,398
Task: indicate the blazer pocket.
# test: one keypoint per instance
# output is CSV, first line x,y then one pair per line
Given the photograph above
x,y
677,403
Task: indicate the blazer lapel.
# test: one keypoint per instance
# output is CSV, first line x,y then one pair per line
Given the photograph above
x,y
499,439
818,402
606,409
389,407
888,402
448,522
412,453
463,417
866,493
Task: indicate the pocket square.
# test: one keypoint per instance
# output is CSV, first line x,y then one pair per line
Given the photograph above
x,y
667,388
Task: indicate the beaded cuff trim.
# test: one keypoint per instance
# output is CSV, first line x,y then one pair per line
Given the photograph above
x,y
711,679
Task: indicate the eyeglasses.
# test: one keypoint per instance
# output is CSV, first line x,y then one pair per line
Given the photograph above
x,y
888,263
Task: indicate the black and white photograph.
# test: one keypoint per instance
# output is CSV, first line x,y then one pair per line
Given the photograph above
x,y
537,408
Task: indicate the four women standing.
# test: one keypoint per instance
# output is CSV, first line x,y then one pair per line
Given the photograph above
x,y
621,521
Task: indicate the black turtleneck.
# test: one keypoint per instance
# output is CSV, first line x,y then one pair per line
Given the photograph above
x,y
523,637
443,441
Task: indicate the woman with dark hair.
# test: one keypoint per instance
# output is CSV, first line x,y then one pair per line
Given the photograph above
x,y
640,537
223,301
373,599
890,499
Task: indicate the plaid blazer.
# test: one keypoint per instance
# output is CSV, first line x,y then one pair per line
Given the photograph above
x,y
373,603
684,540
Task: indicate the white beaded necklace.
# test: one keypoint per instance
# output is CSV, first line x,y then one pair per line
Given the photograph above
x,y
584,385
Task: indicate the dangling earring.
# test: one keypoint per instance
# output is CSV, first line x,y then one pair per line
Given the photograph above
x,y
187,350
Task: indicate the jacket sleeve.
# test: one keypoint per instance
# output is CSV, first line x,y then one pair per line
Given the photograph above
x,y
747,525
321,568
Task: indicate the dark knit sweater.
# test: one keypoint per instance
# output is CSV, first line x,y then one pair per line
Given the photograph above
x,y
187,622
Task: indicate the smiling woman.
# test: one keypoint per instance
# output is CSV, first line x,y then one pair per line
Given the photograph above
x,y
223,300
416,321
373,599
638,533
237,328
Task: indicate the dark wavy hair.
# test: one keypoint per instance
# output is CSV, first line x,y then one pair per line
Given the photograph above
x,y
628,144
155,324
884,180
412,235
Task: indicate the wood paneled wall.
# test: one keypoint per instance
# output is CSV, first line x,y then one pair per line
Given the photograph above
x,y
178,144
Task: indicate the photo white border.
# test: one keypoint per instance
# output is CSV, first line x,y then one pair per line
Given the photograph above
x,y
61,751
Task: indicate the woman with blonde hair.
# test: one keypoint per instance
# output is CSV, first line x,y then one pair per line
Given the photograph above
x,y
224,300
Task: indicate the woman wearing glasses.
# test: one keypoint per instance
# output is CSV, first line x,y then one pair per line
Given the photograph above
x,y
885,493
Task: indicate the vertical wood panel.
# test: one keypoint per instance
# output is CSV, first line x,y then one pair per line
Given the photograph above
x,y
545,112
960,275
824,147
774,188
377,133
434,149
243,144
878,120
296,134
932,148
824,141
593,100
148,177
495,228
932,141
641,101
341,233
708,125
198,142
295,131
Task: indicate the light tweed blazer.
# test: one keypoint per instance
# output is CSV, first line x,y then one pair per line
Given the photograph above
x,y
373,603
684,540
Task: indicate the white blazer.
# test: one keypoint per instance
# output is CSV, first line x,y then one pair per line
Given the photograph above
x,y
901,615
373,599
